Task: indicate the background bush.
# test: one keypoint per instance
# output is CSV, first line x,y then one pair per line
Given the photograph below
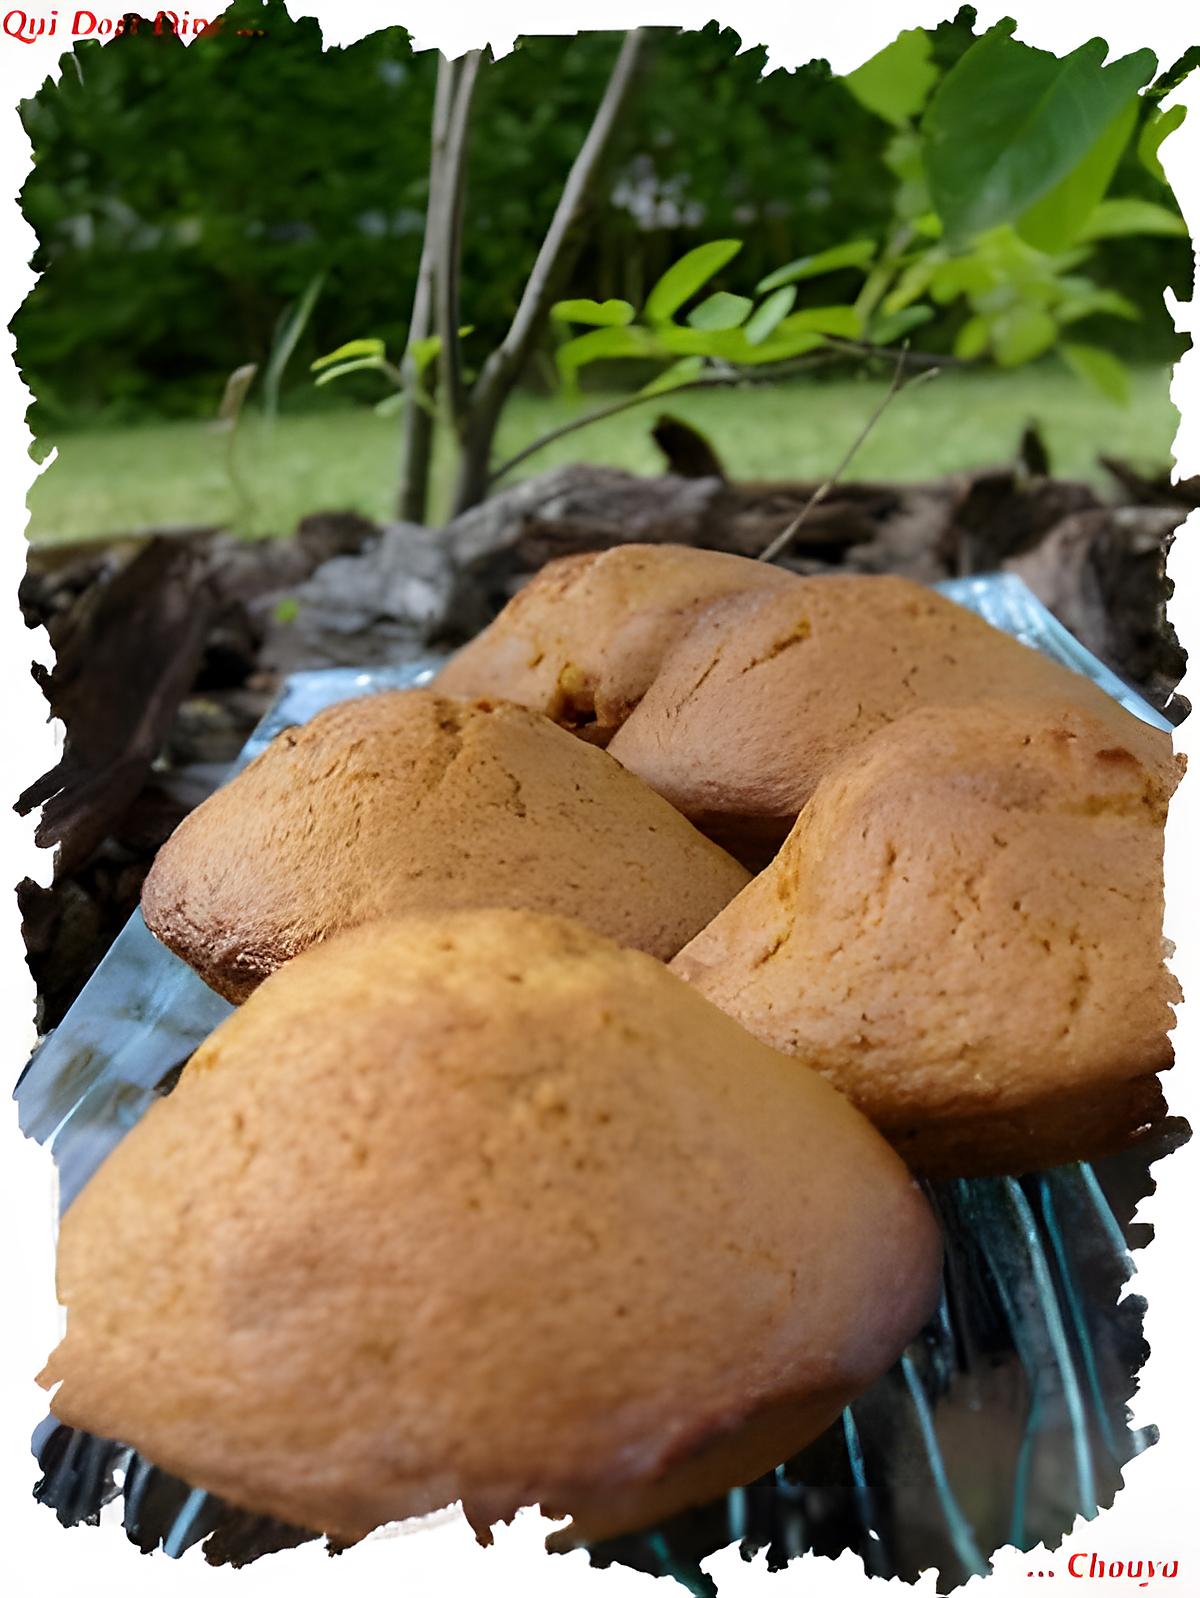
x,y
184,198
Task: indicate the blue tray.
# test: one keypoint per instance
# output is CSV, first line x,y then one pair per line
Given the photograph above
x,y
1005,1420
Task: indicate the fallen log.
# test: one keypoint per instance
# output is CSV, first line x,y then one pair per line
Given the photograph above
x,y
127,653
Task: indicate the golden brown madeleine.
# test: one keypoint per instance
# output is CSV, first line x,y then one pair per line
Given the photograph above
x,y
582,641
410,801
964,933
767,690
484,1207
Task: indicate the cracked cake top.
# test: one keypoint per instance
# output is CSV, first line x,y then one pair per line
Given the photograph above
x,y
409,801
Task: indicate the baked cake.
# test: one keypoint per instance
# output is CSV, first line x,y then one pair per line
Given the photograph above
x,y
484,1207
583,639
767,690
411,801
963,933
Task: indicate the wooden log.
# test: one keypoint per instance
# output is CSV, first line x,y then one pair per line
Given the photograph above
x,y
127,654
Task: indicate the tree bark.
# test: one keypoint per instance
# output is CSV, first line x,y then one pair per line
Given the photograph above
x,y
504,366
448,247
412,502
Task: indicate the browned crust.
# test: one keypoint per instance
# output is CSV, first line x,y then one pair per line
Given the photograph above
x,y
484,1207
767,691
1089,1123
413,801
963,932
583,640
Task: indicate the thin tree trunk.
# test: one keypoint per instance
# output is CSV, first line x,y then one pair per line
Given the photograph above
x,y
448,248
412,503
504,366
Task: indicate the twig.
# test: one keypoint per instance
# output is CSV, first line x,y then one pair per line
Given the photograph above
x,y
229,416
919,359
777,545
506,363
839,348
448,257
412,501
725,379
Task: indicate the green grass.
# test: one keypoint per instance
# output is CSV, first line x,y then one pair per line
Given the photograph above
x,y
118,481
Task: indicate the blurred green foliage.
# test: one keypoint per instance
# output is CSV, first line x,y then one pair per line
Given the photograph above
x,y
187,200
1003,166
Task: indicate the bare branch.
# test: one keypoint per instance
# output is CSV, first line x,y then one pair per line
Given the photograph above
x,y
839,349
918,360
506,363
448,226
539,289
777,545
412,503
727,379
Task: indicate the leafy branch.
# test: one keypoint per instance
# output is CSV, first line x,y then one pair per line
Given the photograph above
x,y
1002,165
729,377
503,368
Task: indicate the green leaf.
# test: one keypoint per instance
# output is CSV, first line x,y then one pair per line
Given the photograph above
x,y
1093,301
966,274
286,610
1158,124
858,252
421,351
373,347
1058,218
390,405
371,362
974,336
1175,74
1117,218
284,345
794,336
889,329
912,282
780,346
603,344
1099,368
895,83
1022,334
903,157
1008,123
842,321
593,313
683,371
769,314
723,344
679,282
720,311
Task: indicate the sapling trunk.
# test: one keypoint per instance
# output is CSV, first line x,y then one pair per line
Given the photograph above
x,y
448,225
504,367
412,502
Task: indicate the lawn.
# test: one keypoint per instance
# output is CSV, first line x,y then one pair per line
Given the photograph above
x,y
128,479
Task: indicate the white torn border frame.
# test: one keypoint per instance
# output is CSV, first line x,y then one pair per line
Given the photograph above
x,y
1153,1517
